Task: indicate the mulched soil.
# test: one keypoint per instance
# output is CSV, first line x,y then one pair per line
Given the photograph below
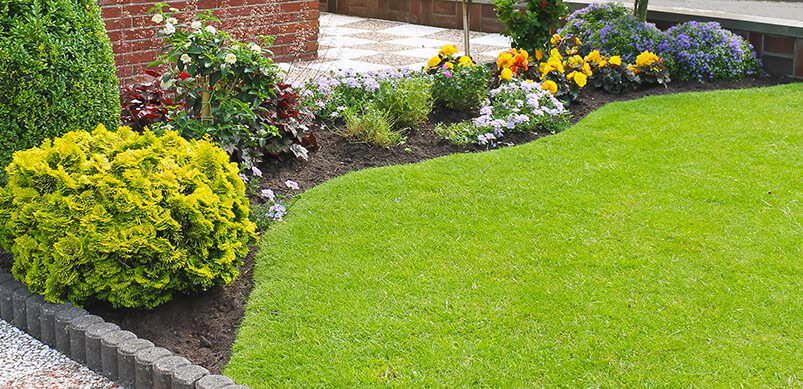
x,y
203,327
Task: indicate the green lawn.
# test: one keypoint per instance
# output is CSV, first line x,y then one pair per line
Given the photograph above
x,y
656,243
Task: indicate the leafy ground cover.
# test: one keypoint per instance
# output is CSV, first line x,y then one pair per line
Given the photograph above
x,y
653,243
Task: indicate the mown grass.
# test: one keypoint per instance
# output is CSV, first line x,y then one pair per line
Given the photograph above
x,y
656,243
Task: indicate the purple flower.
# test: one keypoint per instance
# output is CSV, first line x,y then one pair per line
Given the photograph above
x,y
255,170
243,177
291,184
268,194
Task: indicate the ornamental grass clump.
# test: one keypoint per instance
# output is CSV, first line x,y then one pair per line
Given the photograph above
x,y
57,72
706,51
124,217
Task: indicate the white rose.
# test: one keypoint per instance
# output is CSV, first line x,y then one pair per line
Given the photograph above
x,y
172,21
157,18
196,25
255,48
169,29
211,30
186,58
230,58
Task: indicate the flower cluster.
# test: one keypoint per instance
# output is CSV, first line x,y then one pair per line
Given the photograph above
x,y
511,62
565,72
513,106
706,51
230,90
458,83
273,206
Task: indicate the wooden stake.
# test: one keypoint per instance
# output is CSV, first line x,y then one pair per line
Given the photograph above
x,y
206,105
466,26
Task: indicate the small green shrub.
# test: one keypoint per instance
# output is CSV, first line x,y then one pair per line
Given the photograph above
x,y
407,100
57,72
460,87
372,126
124,217
530,29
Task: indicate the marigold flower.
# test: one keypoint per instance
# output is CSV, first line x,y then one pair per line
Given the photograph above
x,y
448,65
593,56
506,74
466,61
448,50
615,60
555,39
587,69
551,86
434,61
646,59
602,63
555,53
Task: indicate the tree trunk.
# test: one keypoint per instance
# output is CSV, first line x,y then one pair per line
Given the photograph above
x,y
640,10
467,25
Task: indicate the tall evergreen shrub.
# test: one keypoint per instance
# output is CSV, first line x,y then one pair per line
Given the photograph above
x,y
56,72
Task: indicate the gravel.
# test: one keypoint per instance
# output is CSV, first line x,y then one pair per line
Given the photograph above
x,y
28,363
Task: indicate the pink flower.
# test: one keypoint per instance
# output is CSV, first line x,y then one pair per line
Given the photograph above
x,y
447,73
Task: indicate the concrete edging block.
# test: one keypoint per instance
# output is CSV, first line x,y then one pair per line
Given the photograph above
x,y
18,307
78,327
61,326
143,371
92,339
7,290
126,365
108,351
214,382
163,370
33,310
185,377
47,321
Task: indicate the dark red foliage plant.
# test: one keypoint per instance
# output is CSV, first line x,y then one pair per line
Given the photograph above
x,y
144,104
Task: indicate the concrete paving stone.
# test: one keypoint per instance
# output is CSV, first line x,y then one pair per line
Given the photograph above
x,y
345,53
493,40
384,47
62,321
93,335
377,36
412,30
4,276
455,36
33,309
126,365
143,371
390,60
185,377
164,368
421,42
351,64
419,53
329,19
339,30
373,24
341,41
78,327
108,351
213,382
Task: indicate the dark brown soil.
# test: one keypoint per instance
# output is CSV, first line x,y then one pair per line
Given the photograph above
x,y
203,327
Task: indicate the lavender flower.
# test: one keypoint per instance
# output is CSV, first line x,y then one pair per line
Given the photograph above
x,y
268,194
291,184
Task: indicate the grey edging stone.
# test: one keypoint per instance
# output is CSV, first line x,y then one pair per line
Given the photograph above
x,y
103,347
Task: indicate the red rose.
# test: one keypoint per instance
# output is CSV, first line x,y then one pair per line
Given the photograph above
x,y
543,3
183,75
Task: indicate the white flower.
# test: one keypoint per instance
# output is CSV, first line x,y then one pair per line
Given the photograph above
x,y
255,48
211,30
255,170
267,193
173,9
291,184
169,29
187,45
157,18
185,58
196,25
230,58
172,21
167,127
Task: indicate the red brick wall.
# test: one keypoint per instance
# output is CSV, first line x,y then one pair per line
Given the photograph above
x,y
294,23
438,13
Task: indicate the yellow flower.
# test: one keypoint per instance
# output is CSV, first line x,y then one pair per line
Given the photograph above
x,y
555,39
505,60
539,54
529,81
615,60
571,50
434,61
466,61
575,60
646,59
506,74
602,63
633,69
555,53
571,75
449,65
448,50
593,56
550,85
587,69
580,79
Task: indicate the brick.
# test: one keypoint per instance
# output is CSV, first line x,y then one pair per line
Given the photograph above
x,y
440,7
111,12
779,45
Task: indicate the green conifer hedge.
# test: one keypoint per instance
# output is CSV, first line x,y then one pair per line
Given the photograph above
x,y
56,72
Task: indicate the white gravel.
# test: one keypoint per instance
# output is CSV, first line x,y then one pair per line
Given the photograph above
x,y
27,363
